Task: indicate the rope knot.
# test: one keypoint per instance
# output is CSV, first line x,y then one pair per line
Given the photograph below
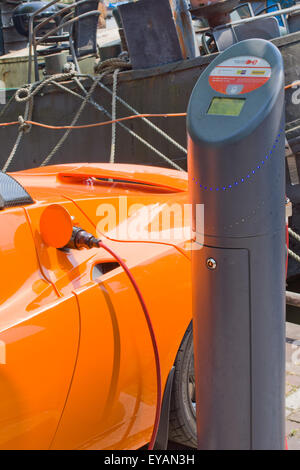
x,y
110,65
24,126
22,94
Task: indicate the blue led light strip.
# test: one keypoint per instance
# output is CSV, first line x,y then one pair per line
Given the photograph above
x,y
248,176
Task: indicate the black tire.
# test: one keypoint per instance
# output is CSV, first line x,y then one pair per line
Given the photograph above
x,y
183,428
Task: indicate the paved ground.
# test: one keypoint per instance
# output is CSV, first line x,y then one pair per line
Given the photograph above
x,y
293,386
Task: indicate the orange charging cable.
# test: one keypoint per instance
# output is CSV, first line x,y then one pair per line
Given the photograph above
x,y
113,121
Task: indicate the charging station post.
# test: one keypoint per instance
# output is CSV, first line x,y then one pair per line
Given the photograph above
x,y
236,169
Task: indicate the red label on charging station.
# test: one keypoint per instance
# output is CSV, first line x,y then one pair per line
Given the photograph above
x,y
240,75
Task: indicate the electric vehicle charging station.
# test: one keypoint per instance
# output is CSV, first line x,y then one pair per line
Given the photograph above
x,y
236,169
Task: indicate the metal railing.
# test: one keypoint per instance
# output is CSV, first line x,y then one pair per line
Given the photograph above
x,y
34,42
280,12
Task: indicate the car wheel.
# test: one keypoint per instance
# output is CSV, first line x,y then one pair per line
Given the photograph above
x,y
183,428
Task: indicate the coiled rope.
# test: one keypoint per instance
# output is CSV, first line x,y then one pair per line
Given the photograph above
x,y
25,93
110,65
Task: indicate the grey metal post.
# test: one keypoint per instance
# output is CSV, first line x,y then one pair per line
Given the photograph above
x,y
237,170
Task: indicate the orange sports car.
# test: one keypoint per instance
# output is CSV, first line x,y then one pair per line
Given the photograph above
x,y
77,365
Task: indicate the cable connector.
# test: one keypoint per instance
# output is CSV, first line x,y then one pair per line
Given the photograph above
x,y
81,239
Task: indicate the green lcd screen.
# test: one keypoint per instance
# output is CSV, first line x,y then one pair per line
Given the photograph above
x,y
226,106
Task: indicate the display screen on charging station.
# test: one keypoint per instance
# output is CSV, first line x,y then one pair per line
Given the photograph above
x,y
226,106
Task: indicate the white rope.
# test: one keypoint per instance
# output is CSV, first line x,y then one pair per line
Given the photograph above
x,y
113,117
294,234
140,139
73,123
136,136
26,94
13,152
292,129
296,237
147,121
294,256
22,129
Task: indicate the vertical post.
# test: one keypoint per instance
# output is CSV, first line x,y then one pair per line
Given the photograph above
x,y
237,170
